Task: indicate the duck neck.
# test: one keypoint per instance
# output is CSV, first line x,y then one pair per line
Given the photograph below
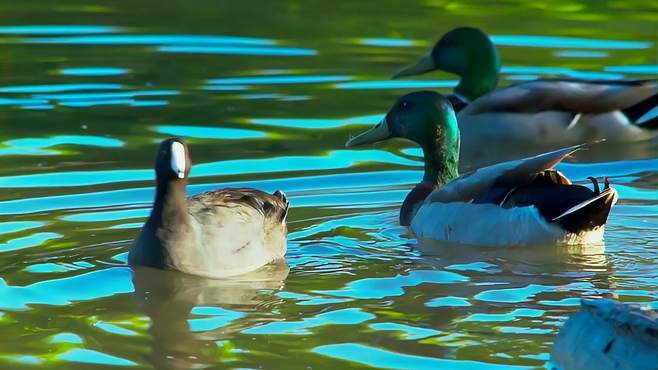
x,y
481,73
170,206
474,85
441,166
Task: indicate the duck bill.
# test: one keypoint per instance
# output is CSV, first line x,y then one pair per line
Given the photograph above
x,y
423,65
378,133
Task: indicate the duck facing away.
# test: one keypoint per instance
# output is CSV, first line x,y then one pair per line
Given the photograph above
x,y
520,202
216,234
543,111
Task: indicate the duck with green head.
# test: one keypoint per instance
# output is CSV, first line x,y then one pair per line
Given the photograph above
x,y
544,111
520,202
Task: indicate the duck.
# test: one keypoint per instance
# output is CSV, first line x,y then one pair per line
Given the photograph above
x,y
550,112
216,234
520,202
607,335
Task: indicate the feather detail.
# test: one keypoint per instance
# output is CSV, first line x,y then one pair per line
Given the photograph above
x,y
512,173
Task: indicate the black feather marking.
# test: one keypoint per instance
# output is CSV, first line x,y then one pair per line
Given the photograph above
x,y
595,182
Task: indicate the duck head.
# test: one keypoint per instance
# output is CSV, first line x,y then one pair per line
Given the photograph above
x,y
426,118
173,160
464,51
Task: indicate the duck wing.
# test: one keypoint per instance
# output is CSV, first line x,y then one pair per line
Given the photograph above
x,y
516,203
570,95
486,182
274,206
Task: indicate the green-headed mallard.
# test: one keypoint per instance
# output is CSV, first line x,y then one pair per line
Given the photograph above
x,y
544,111
520,202
215,234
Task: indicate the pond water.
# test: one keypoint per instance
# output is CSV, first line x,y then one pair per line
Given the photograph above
x,y
266,95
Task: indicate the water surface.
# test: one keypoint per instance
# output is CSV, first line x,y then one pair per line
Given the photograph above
x,y
267,94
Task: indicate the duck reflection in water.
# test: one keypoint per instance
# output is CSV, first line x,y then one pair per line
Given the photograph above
x,y
170,297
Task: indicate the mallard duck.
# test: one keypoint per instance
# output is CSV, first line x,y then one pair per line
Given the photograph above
x,y
216,234
544,111
608,335
520,202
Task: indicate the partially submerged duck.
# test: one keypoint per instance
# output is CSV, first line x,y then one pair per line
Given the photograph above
x,y
608,335
544,111
216,234
520,202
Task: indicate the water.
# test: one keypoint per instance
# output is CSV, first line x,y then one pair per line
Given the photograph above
x,y
267,94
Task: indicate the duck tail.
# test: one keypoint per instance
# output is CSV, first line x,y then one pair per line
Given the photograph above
x,y
591,213
284,198
645,113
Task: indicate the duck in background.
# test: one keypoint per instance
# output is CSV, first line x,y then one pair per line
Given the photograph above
x,y
607,335
216,234
549,112
520,202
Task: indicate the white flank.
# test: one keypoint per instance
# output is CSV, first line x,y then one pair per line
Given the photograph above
x,y
491,225
178,159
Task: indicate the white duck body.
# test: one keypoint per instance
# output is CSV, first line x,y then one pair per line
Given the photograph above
x,y
554,112
230,232
216,234
452,213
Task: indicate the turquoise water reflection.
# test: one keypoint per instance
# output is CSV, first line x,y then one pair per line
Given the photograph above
x,y
267,95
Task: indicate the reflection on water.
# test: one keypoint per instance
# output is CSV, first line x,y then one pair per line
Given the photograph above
x,y
186,312
90,89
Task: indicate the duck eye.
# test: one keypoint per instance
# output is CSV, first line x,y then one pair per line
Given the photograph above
x,y
405,105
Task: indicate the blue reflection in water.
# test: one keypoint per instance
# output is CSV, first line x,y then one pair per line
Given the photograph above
x,y
513,295
408,332
93,71
638,69
279,80
386,42
309,300
396,84
238,50
317,123
151,40
57,29
348,316
383,359
371,288
29,241
448,301
59,292
15,226
208,132
333,160
35,89
536,41
581,54
37,146
106,216
66,338
89,356
130,102
134,196
24,359
48,268
26,102
217,318
91,97
560,71
503,317
114,329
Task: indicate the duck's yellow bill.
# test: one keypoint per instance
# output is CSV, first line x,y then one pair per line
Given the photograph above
x,y
378,133
423,65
